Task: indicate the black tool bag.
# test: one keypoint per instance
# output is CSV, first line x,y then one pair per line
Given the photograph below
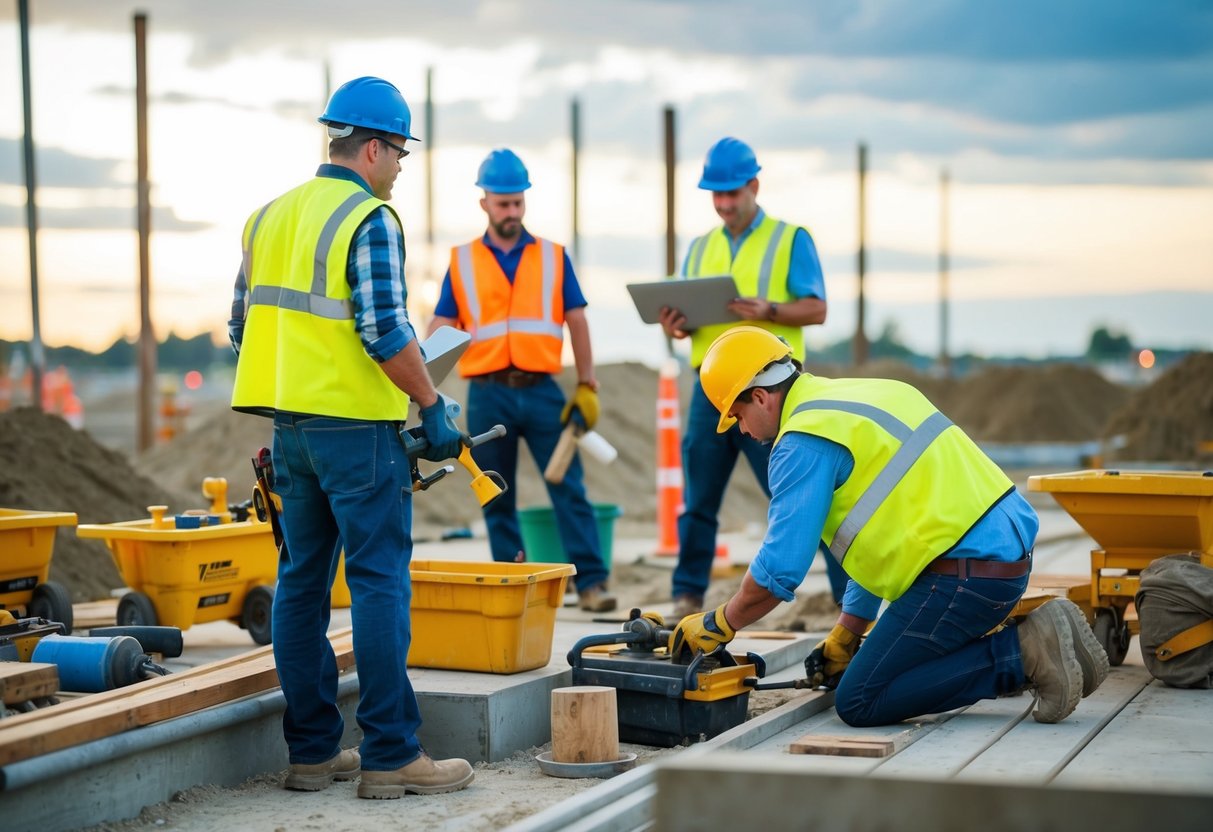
x,y
1175,609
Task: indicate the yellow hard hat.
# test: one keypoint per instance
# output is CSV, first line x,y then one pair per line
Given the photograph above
x,y
732,362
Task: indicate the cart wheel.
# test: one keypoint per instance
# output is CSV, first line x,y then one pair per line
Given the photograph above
x,y
53,602
258,614
136,610
1114,637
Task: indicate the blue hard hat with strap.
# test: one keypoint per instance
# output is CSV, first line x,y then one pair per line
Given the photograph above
x,y
730,163
502,172
371,103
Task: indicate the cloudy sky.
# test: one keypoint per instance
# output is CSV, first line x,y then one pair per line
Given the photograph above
x,y
1078,136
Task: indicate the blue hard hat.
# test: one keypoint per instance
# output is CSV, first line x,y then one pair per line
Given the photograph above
x,y
502,172
372,103
730,163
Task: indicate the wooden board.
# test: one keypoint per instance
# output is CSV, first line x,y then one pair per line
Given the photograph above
x,y
22,681
844,746
94,614
105,714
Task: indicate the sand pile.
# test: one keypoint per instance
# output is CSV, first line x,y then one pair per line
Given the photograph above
x,y
1166,420
48,466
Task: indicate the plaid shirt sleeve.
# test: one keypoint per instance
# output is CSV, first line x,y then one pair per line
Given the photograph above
x,y
376,276
235,324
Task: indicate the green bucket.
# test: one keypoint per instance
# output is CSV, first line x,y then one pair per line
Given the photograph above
x,y
541,538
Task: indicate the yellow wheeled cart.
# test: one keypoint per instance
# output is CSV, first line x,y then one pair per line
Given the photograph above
x,y
1135,517
27,539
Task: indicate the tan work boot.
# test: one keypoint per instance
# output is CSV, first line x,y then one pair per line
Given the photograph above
x,y
596,599
685,605
316,776
1090,653
424,775
1050,663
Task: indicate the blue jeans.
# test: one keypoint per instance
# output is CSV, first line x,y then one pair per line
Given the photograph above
x,y
533,414
344,482
708,459
929,651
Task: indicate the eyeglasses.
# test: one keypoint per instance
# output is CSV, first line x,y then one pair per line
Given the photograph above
x,y
400,151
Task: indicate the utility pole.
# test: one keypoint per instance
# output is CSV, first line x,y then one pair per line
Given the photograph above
x,y
37,358
328,93
575,128
860,345
147,336
671,237
945,360
429,161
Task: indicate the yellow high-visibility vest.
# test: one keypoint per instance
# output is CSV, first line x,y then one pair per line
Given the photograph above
x,y
300,352
760,271
919,482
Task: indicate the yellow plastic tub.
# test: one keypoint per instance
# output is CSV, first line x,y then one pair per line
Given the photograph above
x,y
27,540
488,617
1160,512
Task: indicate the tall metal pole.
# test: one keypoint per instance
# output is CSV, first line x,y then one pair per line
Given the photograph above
x,y
945,360
671,236
147,336
429,161
575,129
860,346
328,93
37,358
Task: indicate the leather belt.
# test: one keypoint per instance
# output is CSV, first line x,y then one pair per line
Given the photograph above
x,y
973,568
512,377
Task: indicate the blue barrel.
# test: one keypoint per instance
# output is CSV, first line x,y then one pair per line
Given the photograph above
x,y
91,665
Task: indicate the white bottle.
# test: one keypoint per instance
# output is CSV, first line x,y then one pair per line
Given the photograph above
x,y
594,444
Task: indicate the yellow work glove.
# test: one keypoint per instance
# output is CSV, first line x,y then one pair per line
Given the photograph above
x,y
829,659
657,618
585,400
704,631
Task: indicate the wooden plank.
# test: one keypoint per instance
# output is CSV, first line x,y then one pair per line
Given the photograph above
x,y
22,681
1033,752
94,614
844,746
950,747
1162,742
775,635
106,714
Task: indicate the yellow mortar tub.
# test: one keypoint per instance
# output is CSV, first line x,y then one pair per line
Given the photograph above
x,y
27,539
487,617
1147,512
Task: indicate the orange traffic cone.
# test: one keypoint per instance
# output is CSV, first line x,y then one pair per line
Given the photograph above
x,y
669,459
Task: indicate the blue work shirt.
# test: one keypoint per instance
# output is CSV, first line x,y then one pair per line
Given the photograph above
x,y
375,274
805,279
509,260
804,472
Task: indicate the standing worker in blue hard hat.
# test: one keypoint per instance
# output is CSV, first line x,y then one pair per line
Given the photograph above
x,y
327,351
514,293
778,274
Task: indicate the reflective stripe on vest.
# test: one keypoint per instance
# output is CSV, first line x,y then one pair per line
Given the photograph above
x,y
760,269
917,486
301,352
528,333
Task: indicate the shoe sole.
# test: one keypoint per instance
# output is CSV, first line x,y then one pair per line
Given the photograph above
x,y
394,791
318,782
1061,628
1092,658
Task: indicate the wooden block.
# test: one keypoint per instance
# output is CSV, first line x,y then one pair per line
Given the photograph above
x,y
846,746
22,681
585,725
776,635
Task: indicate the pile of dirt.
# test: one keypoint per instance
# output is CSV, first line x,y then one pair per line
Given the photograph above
x,y
1166,420
48,466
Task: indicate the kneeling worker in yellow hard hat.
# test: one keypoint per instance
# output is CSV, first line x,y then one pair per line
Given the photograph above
x,y
918,516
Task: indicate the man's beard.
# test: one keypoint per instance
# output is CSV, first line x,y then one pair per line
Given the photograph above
x,y
508,229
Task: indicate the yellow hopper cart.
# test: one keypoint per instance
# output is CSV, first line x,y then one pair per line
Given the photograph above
x,y
1134,517
189,569
27,539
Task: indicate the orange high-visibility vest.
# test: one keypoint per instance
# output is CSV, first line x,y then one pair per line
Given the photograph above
x,y
512,325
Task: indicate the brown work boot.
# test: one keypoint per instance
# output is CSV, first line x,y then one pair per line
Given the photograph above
x,y
316,776
685,605
424,775
1090,653
596,599
1050,663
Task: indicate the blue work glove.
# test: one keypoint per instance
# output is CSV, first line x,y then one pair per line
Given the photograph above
x,y
445,440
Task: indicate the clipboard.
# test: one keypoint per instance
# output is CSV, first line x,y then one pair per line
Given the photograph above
x,y
703,300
